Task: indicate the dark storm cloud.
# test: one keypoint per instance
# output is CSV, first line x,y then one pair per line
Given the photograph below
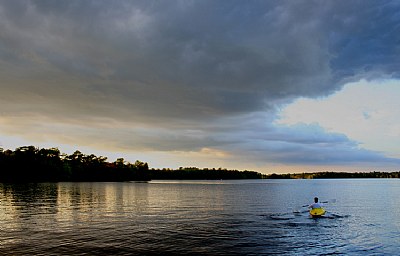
x,y
368,41
212,57
187,65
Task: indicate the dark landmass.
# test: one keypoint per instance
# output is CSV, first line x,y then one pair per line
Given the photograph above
x,y
334,175
31,164
193,173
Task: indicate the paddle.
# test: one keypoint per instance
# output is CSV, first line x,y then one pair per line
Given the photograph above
x,y
330,201
297,210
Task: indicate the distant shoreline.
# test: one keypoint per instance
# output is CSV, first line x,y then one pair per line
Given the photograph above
x,y
335,175
32,164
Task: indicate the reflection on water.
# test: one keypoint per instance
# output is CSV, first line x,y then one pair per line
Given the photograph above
x,y
199,217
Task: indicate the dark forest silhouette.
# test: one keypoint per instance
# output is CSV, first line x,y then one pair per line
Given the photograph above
x,y
194,173
31,164
334,175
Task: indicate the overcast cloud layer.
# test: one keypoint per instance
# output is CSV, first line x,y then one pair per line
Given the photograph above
x,y
190,76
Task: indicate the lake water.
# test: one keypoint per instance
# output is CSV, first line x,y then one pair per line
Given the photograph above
x,y
245,217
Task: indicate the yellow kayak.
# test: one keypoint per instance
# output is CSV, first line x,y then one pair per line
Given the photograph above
x,y
317,212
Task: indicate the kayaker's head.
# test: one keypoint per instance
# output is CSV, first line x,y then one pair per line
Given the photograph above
x,y
315,199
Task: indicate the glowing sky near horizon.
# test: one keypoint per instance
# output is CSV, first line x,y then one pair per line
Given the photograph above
x,y
271,86
367,112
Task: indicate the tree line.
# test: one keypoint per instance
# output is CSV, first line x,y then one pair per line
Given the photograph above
x,y
334,175
194,173
31,164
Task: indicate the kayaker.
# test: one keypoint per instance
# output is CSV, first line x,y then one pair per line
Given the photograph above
x,y
316,204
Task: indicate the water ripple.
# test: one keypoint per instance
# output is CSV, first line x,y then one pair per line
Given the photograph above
x,y
177,218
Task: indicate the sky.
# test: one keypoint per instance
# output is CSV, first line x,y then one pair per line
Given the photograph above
x,y
270,86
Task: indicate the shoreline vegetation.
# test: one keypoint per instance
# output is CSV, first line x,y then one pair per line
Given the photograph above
x,y
335,175
31,164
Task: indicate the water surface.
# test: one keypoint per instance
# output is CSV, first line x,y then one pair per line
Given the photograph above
x,y
245,217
